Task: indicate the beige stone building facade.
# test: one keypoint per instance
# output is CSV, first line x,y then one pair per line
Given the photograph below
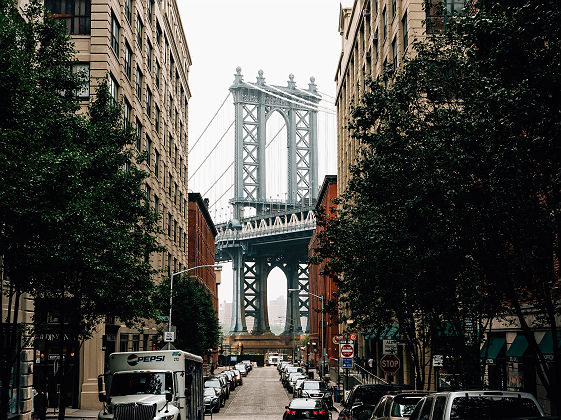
x,y
374,34
139,46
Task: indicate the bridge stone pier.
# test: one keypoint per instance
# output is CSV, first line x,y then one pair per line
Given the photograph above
x,y
277,233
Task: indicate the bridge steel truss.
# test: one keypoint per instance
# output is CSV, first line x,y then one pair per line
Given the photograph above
x,y
278,235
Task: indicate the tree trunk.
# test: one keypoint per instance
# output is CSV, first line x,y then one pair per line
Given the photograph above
x,y
61,369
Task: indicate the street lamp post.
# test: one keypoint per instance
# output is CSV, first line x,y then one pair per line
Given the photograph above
x,y
171,286
321,298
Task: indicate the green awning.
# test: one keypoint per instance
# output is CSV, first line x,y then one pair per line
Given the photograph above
x,y
492,347
518,346
447,329
546,345
384,333
391,334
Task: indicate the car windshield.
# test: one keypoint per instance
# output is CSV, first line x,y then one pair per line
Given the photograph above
x,y
210,392
487,407
301,403
134,383
404,406
213,383
293,369
315,385
240,367
368,396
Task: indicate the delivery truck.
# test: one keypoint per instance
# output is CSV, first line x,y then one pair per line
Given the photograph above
x,y
152,385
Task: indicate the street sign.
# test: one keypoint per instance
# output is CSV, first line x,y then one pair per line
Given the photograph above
x,y
347,350
390,347
169,336
347,362
438,360
337,338
389,364
352,336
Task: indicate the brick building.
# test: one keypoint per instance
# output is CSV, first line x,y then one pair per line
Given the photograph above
x,y
320,284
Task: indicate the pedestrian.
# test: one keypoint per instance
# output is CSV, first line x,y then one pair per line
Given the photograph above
x,y
371,365
363,368
40,405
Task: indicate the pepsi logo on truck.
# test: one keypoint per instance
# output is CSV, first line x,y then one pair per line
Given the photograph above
x,y
134,359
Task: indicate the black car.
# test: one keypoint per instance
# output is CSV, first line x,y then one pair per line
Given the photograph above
x,y
363,398
216,384
306,408
317,389
212,400
238,377
232,378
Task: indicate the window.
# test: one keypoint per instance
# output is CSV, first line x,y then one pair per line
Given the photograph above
x,y
175,157
148,194
184,241
384,23
138,134
75,13
170,141
138,83
180,237
176,119
156,203
174,231
123,342
148,101
170,104
169,264
404,28
169,225
139,30
156,163
83,69
128,60
394,9
150,9
175,193
439,408
113,90
128,10
149,55
148,151
376,45
169,184
158,71
394,52
158,34
438,12
157,119
180,201
127,111
115,34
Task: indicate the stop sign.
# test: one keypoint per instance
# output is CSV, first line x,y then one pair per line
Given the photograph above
x,y
389,364
347,350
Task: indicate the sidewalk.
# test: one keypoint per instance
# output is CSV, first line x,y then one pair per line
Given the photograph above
x,y
73,413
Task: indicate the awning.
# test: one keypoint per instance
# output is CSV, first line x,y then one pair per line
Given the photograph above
x,y
384,333
517,348
492,347
447,329
546,345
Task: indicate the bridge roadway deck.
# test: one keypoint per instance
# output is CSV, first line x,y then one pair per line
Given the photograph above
x,y
261,397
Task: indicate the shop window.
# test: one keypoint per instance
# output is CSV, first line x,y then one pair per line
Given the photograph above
x,y
124,342
76,14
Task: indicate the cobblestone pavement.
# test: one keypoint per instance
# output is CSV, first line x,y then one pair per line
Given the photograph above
x,y
261,397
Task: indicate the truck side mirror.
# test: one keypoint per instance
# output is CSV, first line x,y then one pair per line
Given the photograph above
x,y
102,397
169,396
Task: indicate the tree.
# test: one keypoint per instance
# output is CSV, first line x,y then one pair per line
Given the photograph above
x,y
75,225
451,215
193,314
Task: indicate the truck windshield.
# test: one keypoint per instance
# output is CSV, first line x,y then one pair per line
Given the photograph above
x,y
141,383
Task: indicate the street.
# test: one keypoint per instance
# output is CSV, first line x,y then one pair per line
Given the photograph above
x,y
260,397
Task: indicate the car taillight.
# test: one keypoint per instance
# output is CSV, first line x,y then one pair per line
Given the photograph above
x,y
321,412
291,412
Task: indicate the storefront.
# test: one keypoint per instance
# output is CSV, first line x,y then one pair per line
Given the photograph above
x,y
493,357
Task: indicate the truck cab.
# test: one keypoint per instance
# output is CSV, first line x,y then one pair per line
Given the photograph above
x,y
152,385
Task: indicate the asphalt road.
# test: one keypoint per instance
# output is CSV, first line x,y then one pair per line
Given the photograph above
x,y
261,396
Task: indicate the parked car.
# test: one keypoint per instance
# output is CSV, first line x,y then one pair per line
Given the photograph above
x,y
397,406
319,390
363,398
292,380
306,408
296,392
281,365
229,382
467,405
232,378
212,400
216,384
248,365
225,384
288,371
239,380
241,367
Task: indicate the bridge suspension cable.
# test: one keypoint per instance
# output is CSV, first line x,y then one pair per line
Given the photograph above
x,y
210,122
213,149
297,97
222,196
328,95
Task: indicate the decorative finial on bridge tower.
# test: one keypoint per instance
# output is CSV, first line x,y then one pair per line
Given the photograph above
x,y
312,87
260,78
291,82
238,77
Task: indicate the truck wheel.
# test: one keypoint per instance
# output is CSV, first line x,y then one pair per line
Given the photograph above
x,y
222,402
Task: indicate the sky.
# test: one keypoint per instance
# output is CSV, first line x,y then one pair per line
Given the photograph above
x,y
280,37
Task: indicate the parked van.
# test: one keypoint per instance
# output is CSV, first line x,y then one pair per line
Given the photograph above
x,y
158,385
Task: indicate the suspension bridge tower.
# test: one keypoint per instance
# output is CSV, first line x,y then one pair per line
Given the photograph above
x,y
265,233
